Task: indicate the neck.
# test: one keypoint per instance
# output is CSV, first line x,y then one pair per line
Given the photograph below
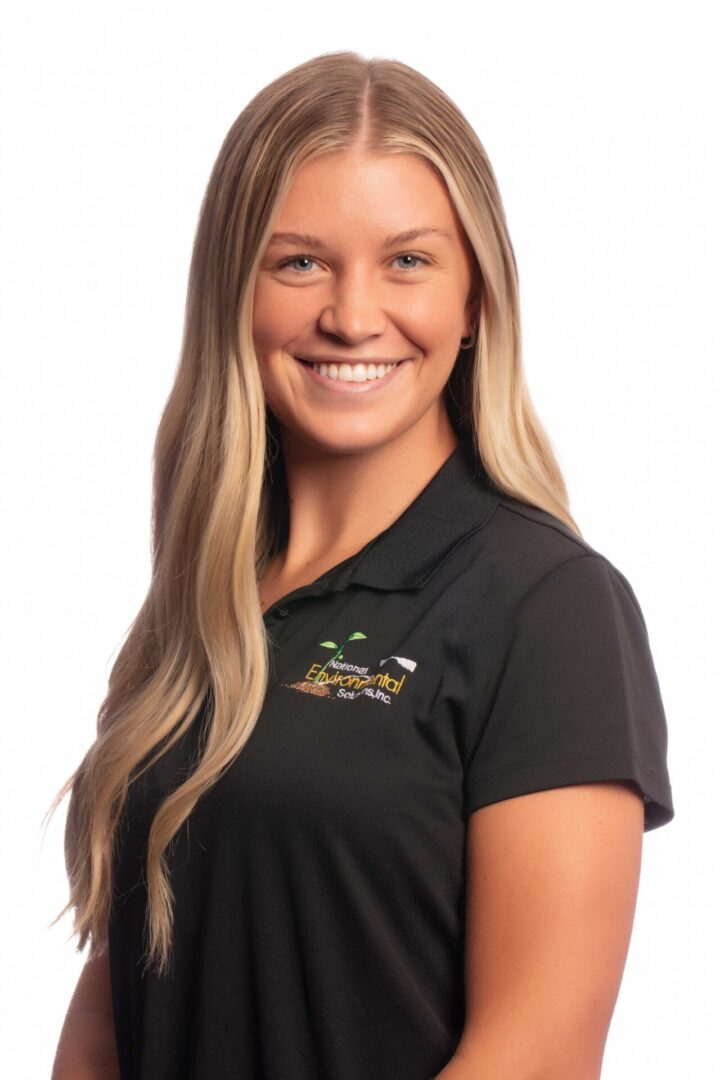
x,y
338,501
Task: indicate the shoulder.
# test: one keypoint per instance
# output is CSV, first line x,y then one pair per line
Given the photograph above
x,y
534,538
523,549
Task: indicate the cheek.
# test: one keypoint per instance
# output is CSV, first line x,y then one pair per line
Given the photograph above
x,y
279,317
264,326
438,337
434,320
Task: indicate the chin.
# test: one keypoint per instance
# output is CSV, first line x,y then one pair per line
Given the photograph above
x,y
342,440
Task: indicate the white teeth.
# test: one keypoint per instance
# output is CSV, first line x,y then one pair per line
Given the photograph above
x,y
353,372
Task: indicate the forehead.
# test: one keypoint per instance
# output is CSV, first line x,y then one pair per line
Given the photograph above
x,y
381,197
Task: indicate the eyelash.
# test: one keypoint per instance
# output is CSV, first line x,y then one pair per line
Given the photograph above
x,y
404,254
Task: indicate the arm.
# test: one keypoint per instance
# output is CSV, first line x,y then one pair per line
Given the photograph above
x,y
87,1049
552,880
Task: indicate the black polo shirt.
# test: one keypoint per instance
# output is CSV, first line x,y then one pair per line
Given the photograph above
x,y
474,651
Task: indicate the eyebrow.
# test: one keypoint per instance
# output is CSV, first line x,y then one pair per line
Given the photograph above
x,y
405,237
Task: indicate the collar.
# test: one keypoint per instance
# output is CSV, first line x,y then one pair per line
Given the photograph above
x,y
458,500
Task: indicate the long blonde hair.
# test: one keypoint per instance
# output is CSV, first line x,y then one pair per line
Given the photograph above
x,y
219,504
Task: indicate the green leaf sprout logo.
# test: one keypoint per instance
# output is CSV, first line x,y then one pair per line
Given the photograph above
x,y
337,655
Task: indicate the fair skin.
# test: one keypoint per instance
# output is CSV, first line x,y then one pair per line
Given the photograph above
x,y
552,880
552,876
358,295
87,1049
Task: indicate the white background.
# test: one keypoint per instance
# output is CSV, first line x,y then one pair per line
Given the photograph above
x,y
600,125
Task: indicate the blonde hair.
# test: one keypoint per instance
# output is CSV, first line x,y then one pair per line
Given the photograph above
x,y
219,504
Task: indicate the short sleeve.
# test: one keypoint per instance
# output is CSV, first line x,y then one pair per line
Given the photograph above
x,y
576,698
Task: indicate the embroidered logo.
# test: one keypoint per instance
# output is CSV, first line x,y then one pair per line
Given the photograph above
x,y
339,679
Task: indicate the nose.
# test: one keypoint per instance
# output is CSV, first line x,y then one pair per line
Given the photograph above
x,y
354,311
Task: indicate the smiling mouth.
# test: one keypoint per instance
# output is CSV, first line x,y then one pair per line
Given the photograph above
x,y
345,371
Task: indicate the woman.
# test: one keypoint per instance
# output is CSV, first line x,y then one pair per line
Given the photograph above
x,y
371,777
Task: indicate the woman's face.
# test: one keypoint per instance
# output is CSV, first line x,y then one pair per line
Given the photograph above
x,y
348,290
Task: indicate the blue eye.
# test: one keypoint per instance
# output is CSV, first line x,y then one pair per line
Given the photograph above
x,y
296,258
409,255
309,258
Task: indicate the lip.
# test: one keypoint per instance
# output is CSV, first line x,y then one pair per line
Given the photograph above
x,y
336,386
